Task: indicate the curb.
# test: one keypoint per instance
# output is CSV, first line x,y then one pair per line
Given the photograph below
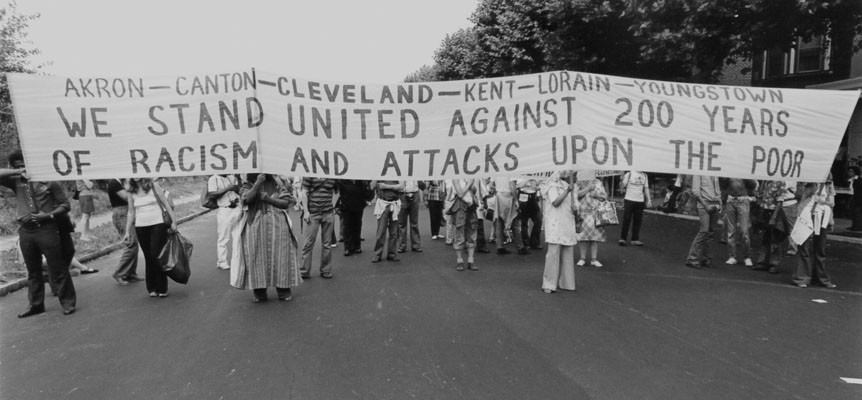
x,y
832,237
21,283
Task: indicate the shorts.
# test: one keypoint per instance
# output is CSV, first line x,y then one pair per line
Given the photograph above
x,y
86,204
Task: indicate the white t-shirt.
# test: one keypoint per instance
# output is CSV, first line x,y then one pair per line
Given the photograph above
x,y
148,212
218,182
635,188
502,184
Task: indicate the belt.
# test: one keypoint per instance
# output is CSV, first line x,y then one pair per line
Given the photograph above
x,y
736,198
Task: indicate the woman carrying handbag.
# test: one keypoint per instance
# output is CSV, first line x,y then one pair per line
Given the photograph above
x,y
151,216
591,195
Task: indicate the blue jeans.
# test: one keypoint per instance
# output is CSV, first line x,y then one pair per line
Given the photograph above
x,y
699,250
738,226
324,223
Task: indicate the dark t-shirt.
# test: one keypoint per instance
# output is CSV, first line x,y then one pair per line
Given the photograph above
x,y
115,186
389,194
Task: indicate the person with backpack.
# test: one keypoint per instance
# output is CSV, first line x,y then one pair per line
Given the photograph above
x,y
222,194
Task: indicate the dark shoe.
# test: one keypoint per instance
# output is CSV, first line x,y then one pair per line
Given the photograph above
x,y
692,264
357,251
326,275
483,250
376,259
523,252
89,271
472,267
32,310
759,267
393,258
121,281
69,311
459,267
535,247
417,250
706,264
503,251
306,275
773,270
133,278
258,299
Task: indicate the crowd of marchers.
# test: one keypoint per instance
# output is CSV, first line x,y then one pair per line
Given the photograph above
x,y
262,246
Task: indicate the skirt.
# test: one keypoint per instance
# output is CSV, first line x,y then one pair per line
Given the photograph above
x,y
269,253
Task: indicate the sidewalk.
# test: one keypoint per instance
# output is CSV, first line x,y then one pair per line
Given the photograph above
x,y
837,233
8,242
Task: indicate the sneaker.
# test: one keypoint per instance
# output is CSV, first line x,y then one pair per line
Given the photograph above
x,y
622,242
596,264
731,261
433,237
581,263
153,294
637,243
334,245
830,286
748,262
802,285
503,251
223,266
165,294
523,252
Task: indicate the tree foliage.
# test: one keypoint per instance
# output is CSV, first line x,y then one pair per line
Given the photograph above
x,y
681,40
15,54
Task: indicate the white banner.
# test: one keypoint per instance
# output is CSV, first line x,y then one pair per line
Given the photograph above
x,y
249,121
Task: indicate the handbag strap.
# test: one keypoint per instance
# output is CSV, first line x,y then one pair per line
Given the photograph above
x,y
159,195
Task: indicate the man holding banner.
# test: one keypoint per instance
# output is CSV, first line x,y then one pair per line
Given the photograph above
x,y
530,210
707,194
39,205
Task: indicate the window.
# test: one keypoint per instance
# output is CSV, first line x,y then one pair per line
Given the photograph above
x,y
804,57
811,55
776,64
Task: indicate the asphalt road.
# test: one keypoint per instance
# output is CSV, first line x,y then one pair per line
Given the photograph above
x,y
642,327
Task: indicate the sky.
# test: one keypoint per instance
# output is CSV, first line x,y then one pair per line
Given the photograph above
x,y
369,41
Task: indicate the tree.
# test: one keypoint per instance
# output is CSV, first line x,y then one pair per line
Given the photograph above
x,y
15,53
461,57
425,74
679,40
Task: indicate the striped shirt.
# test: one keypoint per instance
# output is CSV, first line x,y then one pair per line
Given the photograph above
x,y
319,194
435,191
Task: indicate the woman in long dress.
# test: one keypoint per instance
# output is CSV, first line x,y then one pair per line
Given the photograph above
x,y
590,194
268,252
560,234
